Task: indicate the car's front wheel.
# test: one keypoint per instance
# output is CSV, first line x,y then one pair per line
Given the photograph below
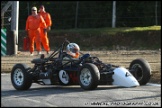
x,y
141,70
89,76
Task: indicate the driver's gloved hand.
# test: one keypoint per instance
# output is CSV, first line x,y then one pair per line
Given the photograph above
x,y
85,56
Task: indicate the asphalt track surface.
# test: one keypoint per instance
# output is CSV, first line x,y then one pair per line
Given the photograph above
x,y
69,96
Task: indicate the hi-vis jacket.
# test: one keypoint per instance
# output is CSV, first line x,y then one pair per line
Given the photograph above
x,y
35,22
46,16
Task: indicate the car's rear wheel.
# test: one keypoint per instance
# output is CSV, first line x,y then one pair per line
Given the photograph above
x,y
64,78
20,78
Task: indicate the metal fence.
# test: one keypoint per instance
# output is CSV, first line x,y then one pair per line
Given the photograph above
x,y
9,27
94,14
66,14
5,25
6,17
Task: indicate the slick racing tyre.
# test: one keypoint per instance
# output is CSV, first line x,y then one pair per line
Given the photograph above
x,y
141,70
20,78
89,76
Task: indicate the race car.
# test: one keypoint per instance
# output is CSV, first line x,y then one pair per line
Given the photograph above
x,y
63,66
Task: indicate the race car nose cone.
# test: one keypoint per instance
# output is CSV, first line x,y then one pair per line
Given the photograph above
x,y
122,77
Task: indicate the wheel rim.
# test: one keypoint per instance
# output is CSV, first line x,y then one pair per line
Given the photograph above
x,y
138,71
64,77
85,77
18,77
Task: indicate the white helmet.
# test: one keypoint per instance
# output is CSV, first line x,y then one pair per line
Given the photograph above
x,y
72,48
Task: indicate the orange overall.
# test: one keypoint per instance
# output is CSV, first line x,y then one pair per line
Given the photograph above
x,y
33,25
47,18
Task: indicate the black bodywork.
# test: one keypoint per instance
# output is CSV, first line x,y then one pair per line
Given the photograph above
x,y
49,67
61,68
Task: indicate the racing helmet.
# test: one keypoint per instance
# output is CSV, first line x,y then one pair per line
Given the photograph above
x,y
72,48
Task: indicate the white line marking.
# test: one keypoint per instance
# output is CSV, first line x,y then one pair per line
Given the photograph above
x,y
153,84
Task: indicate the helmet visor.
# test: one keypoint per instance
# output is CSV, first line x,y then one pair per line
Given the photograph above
x,y
74,50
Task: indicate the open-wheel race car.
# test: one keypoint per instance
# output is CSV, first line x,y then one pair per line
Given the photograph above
x,y
86,70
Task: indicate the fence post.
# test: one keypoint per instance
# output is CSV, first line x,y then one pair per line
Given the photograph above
x,y
76,15
114,14
156,6
3,42
14,24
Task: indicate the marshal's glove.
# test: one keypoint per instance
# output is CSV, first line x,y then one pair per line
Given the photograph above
x,y
48,28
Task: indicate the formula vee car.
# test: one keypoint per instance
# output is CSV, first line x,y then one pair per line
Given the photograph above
x,y
86,70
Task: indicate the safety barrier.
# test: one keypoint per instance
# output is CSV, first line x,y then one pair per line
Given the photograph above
x,y
3,42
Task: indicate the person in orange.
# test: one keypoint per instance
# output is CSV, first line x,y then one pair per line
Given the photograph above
x,y
47,18
33,24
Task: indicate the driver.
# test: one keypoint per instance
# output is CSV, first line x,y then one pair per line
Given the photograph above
x,y
73,52
73,49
